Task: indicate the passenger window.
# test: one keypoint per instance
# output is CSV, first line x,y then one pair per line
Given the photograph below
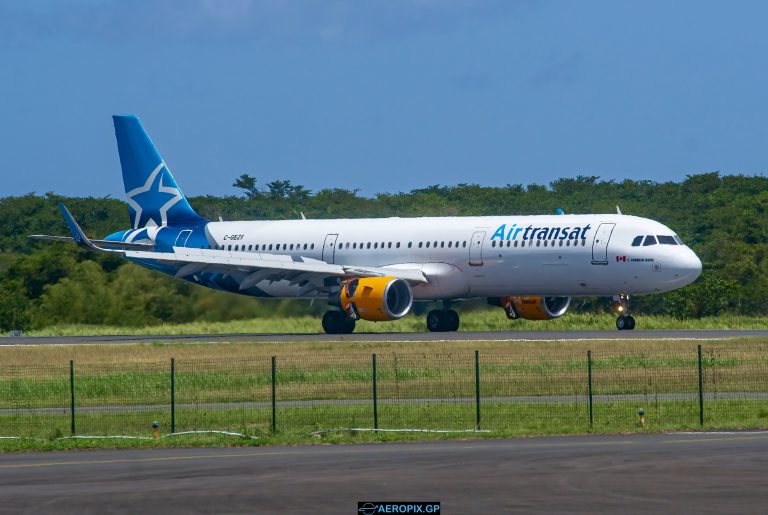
x,y
442,244
420,244
515,243
493,243
637,241
312,246
397,245
427,244
464,244
410,244
667,240
538,243
649,240
368,245
376,244
389,245
291,246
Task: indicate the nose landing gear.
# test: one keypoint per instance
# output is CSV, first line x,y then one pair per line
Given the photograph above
x,y
625,321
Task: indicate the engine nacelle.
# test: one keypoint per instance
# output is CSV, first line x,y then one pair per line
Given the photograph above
x,y
376,298
532,308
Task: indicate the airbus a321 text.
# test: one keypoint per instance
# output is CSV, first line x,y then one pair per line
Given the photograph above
x,y
375,268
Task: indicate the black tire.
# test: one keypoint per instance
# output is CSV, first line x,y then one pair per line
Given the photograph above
x,y
333,322
436,321
621,323
630,323
452,320
348,326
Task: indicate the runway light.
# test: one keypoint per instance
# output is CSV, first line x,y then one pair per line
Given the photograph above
x,y
155,429
641,412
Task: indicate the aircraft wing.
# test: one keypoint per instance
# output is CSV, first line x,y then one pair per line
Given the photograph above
x,y
251,268
99,243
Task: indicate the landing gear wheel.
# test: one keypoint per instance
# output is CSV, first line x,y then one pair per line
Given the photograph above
x,y
625,323
336,322
442,320
451,320
436,321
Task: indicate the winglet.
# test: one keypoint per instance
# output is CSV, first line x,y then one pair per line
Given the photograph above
x,y
77,233
559,211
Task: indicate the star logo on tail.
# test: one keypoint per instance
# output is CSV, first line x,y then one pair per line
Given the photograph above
x,y
152,200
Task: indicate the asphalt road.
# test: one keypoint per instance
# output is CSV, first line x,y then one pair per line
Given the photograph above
x,y
397,337
675,473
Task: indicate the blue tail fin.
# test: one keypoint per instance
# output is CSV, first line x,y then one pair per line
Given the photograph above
x,y
154,198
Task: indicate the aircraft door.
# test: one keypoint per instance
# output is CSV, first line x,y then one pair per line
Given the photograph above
x,y
329,248
600,244
476,249
181,239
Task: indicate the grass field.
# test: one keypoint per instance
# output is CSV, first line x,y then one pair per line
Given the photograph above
x,y
477,320
526,388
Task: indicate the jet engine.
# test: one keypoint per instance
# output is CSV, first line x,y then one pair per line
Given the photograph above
x,y
532,308
376,298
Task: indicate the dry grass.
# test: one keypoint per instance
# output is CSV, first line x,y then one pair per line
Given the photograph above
x,y
314,355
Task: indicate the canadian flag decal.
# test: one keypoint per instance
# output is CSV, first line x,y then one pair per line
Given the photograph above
x,y
621,258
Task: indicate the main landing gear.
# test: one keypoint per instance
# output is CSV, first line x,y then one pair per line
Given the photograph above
x,y
442,321
337,322
625,321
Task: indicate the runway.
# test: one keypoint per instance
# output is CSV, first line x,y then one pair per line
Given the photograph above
x,y
398,337
674,473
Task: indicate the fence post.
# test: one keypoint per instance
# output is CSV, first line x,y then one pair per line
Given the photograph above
x,y
375,397
701,389
173,395
72,394
274,403
589,384
477,390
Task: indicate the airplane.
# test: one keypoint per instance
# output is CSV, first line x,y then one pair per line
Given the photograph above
x,y
376,268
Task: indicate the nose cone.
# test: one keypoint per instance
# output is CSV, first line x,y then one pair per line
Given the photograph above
x,y
688,267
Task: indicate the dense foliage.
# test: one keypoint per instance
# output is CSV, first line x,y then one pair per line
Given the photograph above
x,y
721,217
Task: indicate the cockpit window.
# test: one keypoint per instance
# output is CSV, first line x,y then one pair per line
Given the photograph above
x,y
678,240
649,240
667,240
637,241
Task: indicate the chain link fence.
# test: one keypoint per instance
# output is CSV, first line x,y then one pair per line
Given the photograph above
x,y
553,390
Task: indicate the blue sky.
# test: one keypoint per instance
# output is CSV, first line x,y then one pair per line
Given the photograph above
x,y
381,95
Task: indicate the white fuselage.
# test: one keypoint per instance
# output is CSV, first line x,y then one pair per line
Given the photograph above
x,y
463,257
